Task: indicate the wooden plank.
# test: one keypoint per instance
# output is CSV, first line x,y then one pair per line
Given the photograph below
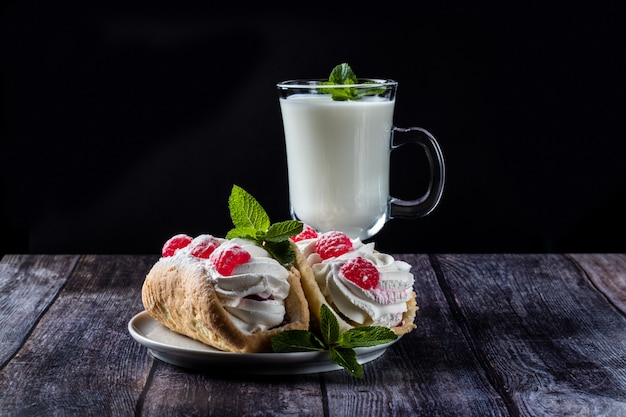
x,y
175,391
80,359
28,284
431,371
608,274
497,335
548,340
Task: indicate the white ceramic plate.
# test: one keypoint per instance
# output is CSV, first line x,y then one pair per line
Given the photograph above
x,y
182,351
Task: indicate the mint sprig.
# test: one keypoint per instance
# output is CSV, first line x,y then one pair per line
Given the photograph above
x,y
340,346
342,74
252,222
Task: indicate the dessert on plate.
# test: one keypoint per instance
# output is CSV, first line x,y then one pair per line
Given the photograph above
x,y
362,286
227,293
237,293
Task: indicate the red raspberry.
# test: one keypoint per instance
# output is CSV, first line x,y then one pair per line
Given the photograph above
x,y
227,257
307,233
202,246
362,272
174,243
333,244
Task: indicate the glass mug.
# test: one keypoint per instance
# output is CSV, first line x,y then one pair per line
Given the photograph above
x,y
338,158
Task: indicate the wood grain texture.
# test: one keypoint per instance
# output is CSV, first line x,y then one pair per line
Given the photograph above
x,y
80,359
497,335
431,371
608,274
548,339
28,284
174,392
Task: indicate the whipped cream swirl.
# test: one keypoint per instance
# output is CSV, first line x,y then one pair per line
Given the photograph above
x,y
383,305
254,294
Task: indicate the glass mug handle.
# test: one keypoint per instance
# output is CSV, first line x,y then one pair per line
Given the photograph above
x,y
420,207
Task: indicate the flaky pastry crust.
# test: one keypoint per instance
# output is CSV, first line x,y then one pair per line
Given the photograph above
x,y
181,297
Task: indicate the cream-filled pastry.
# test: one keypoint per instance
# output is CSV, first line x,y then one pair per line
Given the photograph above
x,y
363,287
229,294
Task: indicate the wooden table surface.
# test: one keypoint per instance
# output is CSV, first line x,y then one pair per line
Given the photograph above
x,y
497,335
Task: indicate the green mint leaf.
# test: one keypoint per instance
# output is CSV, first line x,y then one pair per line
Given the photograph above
x,y
282,231
281,251
252,222
329,326
296,341
245,211
346,358
367,336
362,92
342,74
249,233
339,346
340,94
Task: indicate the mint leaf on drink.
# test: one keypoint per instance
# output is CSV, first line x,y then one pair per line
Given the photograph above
x,y
340,346
252,222
342,74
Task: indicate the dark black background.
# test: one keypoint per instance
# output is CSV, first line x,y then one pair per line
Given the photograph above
x,y
125,124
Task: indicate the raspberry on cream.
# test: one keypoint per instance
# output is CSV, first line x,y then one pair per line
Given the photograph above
x,y
249,283
255,292
232,294
363,301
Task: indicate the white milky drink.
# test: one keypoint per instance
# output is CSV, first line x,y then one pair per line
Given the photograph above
x,y
338,161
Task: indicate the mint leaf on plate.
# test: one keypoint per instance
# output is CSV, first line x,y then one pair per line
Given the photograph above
x,y
242,232
252,222
329,326
296,341
340,346
282,231
245,211
281,251
346,358
367,336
